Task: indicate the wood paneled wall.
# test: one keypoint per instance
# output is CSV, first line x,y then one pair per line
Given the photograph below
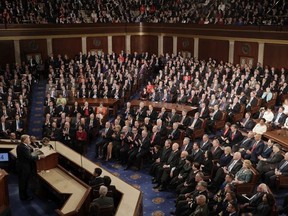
x,y
69,46
276,55
118,43
185,44
33,47
7,54
98,43
167,44
216,49
144,43
245,49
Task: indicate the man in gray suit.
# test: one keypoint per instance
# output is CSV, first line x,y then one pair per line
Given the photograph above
x,y
102,201
266,164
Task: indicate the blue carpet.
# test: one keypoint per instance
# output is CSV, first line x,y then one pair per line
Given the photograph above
x,y
36,109
154,202
35,207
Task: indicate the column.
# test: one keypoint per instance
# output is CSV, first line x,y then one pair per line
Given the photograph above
x,y
175,45
84,45
196,47
49,46
231,51
17,52
128,43
160,44
260,52
110,45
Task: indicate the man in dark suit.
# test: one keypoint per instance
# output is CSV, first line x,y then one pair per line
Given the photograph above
x,y
205,144
171,162
140,112
68,135
163,115
216,149
25,160
106,136
184,120
142,150
155,137
175,132
18,126
151,113
96,180
235,136
255,200
125,144
4,128
234,108
196,123
197,153
247,123
161,128
204,111
245,144
267,164
256,149
216,115
252,101
62,108
161,160
279,118
173,117
102,201
187,145
280,170
233,167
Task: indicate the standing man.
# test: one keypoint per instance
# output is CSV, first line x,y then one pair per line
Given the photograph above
x,y
25,159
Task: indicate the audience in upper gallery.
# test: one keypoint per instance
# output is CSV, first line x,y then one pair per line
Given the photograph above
x,y
218,12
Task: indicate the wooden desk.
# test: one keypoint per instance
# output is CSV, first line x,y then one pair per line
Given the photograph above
x,y
60,180
4,198
279,136
169,106
110,102
131,202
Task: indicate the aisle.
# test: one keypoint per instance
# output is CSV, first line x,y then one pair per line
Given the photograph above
x,y
36,109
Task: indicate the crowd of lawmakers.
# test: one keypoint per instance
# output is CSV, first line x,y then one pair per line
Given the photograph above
x,y
220,12
211,168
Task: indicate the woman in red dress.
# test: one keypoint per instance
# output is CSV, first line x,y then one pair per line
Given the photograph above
x,y
81,140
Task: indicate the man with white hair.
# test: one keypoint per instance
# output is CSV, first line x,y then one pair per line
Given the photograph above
x,y
102,201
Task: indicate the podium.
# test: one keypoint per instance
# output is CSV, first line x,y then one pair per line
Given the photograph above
x,y
50,161
4,198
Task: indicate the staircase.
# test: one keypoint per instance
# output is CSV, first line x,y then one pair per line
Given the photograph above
x,y
36,109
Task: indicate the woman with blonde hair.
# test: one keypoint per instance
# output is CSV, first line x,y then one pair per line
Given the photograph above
x,y
244,175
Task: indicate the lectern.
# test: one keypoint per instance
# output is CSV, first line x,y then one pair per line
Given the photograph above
x,y
4,198
50,161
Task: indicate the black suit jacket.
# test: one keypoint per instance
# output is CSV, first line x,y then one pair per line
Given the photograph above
x,y
206,147
217,116
216,154
205,113
197,125
174,135
236,167
235,138
186,121
173,158
198,156
156,140
25,159
21,125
